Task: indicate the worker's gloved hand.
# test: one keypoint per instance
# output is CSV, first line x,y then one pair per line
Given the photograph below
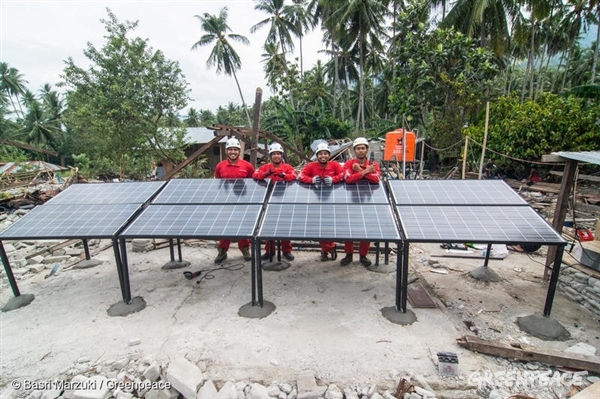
x,y
328,180
269,173
316,180
282,175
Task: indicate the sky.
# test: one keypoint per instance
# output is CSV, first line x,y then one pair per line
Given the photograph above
x,y
36,37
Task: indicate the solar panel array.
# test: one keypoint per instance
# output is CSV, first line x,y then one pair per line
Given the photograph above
x,y
454,192
71,221
329,222
362,192
198,221
499,224
107,193
212,191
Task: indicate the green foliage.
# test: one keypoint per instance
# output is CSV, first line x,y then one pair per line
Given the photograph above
x,y
82,162
443,77
197,169
119,106
534,128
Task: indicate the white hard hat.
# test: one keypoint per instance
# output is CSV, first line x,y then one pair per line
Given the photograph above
x,y
359,141
323,147
275,147
233,143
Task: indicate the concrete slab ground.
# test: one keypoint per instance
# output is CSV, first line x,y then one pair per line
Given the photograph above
x,y
327,318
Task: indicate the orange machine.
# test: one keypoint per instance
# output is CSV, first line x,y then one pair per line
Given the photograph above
x,y
394,150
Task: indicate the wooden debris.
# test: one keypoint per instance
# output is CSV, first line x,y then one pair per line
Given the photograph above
x,y
591,392
529,353
404,386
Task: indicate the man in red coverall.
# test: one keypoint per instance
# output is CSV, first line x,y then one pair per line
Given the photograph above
x,y
233,168
357,169
328,173
277,170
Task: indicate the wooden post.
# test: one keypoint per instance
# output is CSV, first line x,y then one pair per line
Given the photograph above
x,y
561,209
485,134
255,126
464,168
422,160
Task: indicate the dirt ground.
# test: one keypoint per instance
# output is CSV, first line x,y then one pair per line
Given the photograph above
x,y
327,318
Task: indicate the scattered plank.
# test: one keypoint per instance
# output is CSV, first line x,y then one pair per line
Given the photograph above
x,y
591,392
530,353
418,297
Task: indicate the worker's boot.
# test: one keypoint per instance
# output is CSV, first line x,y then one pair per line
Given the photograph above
x,y
221,256
265,256
366,262
288,256
324,257
246,253
346,260
333,254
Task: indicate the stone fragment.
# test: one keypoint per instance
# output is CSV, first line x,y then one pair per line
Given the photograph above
x,y
185,377
208,391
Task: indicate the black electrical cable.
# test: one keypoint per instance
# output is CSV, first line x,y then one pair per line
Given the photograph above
x,y
207,273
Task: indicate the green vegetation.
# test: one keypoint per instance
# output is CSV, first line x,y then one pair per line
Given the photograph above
x,y
389,64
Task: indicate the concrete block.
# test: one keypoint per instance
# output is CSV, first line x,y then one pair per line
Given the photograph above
x,y
152,372
227,391
257,391
97,388
36,268
208,391
306,382
35,259
333,392
185,377
157,394
56,259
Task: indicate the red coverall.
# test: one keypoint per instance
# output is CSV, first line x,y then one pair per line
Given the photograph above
x,y
239,170
275,173
332,169
353,177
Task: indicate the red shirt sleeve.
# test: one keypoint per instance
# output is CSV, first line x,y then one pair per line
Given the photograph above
x,y
353,177
337,170
307,173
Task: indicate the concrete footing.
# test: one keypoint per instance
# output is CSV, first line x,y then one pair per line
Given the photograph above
x,y
18,302
543,327
382,268
397,317
485,274
256,311
123,309
176,264
275,266
87,263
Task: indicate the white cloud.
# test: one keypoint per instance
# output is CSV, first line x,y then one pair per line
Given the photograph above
x,y
36,37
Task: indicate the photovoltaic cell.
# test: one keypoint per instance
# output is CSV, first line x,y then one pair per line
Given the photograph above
x,y
454,192
212,191
497,224
195,221
71,221
107,193
331,222
362,192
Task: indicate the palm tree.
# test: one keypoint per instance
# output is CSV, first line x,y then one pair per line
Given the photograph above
x,y
360,20
223,54
13,84
193,118
281,28
303,14
274,64
487,20
37,126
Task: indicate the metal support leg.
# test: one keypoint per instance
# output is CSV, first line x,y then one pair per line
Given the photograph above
x,y
118,258
8,270
399,264
125,272
259,283
377,253
256,264
86,249
553,280
171,250
179,249
487,255
386,257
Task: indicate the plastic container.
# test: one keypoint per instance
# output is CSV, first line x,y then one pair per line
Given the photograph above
x,y
447,363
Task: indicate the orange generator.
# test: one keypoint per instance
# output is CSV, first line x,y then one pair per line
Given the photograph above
x,y
394,148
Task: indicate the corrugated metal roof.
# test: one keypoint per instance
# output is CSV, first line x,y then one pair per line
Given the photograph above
x,y
200,135
11,167
583,156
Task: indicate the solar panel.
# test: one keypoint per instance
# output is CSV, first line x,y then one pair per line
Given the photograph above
x,y
454,192
362,192
331,222
195,221
213,191
499,224
107,193
70,221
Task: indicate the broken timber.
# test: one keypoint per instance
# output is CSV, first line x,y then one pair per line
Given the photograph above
x,y
530,354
